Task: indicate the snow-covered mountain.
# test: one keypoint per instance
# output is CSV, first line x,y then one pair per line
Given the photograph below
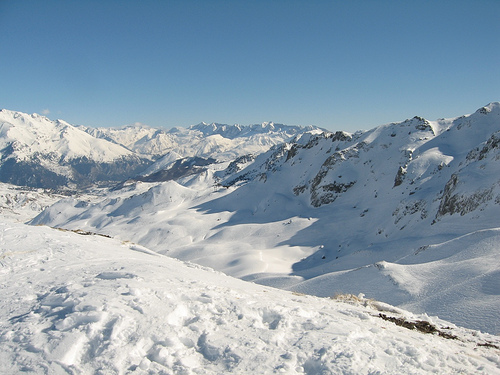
x,y
38,152
77,303
238,131
407,213
218,141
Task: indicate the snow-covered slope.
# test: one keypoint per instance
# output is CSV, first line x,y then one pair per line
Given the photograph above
x,y
406,213
38,152
140,138
84,304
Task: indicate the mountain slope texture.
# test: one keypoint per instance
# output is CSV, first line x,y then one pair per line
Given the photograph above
x,y
406,213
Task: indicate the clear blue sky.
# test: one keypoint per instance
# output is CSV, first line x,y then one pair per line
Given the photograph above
x,y
342,65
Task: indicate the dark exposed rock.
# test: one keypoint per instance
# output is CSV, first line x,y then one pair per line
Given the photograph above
x,y
292,152
481,153
329,193
447,204
234,166
483,110
400,175
410,208
299,189
461,203
419,325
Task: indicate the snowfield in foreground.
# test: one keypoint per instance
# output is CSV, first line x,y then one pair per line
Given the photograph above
x,y
86,304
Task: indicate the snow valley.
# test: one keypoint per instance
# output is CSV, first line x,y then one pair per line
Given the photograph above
x,y
406,213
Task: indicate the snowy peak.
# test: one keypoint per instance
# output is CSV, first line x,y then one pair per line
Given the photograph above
x,y
493,107
236,130
38,152
35,134
221,142
127,136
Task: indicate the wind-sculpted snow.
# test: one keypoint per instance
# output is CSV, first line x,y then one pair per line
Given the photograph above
x,y
336,212
85,304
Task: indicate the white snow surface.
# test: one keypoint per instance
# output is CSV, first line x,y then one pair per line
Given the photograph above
x,y
85,304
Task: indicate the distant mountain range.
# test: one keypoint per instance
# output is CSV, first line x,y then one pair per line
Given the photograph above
x,y
38,152
407,213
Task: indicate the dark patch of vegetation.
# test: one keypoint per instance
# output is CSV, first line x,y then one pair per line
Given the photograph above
x,y
30,174
489,345
83,232
419,325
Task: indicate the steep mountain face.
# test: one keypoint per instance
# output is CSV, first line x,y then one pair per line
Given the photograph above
x,y
406,213
38,152
430,169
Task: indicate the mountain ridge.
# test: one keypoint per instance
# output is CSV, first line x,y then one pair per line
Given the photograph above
x,y
38,152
